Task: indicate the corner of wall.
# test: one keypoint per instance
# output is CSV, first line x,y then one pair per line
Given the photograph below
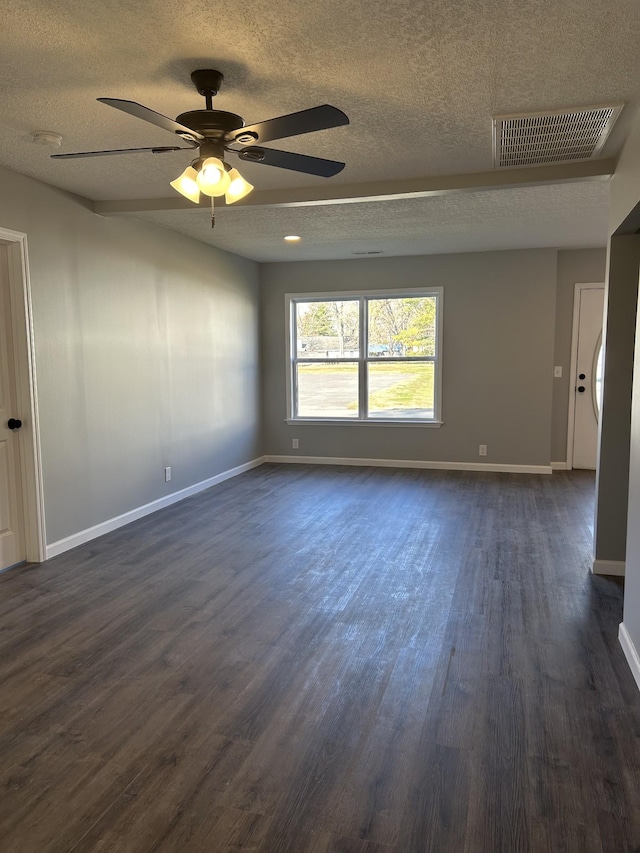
x,y
630,652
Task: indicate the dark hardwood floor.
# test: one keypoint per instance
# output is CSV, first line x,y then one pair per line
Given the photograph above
x,y
324,660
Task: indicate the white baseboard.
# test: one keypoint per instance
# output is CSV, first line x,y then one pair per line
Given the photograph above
x,y
90,533
630,652
560,466
418,463
608,567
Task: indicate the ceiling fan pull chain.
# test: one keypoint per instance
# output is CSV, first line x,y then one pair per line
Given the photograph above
x,y
213,214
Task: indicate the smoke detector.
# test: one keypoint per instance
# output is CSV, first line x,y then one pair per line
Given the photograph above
x,y
556,136
46,137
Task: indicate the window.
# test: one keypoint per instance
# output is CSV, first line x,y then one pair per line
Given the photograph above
x,y
365,358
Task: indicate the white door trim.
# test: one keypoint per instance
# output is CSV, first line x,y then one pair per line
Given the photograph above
x,y
26,393
579,287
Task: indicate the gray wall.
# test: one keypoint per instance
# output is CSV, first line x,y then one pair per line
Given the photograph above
x,y
499,331
632,573
574,266
625,183
625,195
612,482
147,355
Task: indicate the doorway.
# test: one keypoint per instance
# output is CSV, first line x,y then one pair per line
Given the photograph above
x,y
22,536
586,376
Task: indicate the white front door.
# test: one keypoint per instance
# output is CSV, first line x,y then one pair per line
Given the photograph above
x,y
587,385
12,540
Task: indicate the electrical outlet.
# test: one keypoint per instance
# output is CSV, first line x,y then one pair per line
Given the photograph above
x,y
557,372
295,444
167,474
482,450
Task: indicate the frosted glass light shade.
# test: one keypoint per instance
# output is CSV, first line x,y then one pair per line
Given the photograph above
x,y
213,179
238,187
187,186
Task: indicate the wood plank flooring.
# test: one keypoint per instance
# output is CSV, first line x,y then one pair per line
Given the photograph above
x,y
324,660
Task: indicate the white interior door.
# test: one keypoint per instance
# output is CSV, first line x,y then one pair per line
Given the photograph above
x,y
587,384
12,539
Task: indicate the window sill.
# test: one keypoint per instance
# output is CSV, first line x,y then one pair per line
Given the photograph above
x,y
396,422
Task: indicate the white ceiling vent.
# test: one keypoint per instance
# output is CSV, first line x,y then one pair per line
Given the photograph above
x,y
557,136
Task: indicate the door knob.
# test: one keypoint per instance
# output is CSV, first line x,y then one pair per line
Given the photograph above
x,y
14,423
581,389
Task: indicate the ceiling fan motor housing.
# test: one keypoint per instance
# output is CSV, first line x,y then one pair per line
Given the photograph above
x,y
211,123
214,125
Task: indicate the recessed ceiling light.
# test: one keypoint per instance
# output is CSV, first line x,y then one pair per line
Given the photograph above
x,y
292,238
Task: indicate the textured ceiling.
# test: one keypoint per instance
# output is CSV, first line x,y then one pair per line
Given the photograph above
x,y
568,216
419,81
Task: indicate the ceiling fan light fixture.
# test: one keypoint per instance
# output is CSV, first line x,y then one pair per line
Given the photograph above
x,y
238,187
213,179
186,184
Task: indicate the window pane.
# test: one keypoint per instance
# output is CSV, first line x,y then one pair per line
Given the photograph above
x,y
402,327
401,390
327,390
327,329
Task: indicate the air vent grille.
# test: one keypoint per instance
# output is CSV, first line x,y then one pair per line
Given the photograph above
x,y
373,252
552,137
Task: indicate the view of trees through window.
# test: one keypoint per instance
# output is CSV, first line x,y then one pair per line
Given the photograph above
x,y
381,348
402,327
328,329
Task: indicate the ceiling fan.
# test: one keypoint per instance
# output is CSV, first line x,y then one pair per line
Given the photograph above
x,y
215,132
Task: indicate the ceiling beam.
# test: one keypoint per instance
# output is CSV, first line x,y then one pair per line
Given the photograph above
x,y
381,190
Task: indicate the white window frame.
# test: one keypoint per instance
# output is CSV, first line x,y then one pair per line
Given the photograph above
x,y
292,299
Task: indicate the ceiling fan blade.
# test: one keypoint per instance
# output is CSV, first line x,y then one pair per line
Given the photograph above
x,y
146,114
305,121
160,150
295,162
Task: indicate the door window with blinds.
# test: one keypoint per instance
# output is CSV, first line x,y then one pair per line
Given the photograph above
x,y
365,357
